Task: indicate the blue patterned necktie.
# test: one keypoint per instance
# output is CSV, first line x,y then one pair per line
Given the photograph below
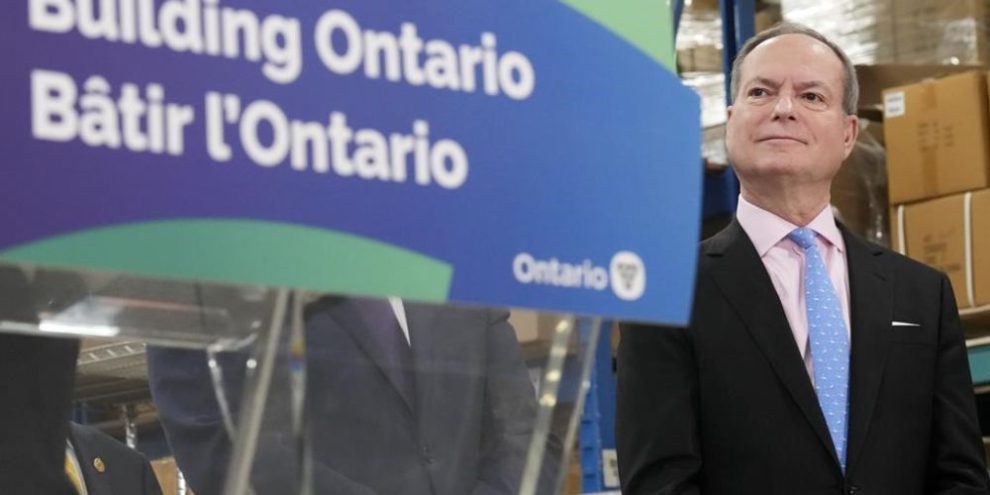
x,y
829,341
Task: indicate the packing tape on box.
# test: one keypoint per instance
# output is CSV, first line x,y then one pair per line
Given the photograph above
x,y
901,244
968,232
967,241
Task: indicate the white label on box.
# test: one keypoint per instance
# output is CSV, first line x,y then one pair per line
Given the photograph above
x,y
893,104
610,468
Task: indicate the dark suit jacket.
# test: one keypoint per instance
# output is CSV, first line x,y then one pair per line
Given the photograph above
x,y
467,431
126,471
38,375
727,407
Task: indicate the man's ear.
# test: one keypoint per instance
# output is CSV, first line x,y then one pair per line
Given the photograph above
x,y
850,133
728,112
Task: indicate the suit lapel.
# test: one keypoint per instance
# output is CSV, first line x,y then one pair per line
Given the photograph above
x,y
871,311
743,279
348,318
96,482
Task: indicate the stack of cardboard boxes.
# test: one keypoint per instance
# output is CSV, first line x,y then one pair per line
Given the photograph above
x,y
699,38
863,28
937,134
859,192
900,31
944,32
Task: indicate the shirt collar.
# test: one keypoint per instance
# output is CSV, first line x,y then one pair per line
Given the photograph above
x,y
766,229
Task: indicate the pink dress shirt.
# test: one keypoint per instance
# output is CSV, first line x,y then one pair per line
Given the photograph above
x,y
784,261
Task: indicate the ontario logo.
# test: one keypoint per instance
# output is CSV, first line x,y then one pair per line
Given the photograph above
x,y
626,274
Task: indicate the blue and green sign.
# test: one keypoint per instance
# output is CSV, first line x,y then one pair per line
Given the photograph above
x,y
520,153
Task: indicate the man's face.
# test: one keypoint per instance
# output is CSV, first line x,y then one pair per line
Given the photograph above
x,y
787,119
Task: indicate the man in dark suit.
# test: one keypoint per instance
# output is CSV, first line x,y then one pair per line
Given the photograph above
x,y
401,398
36,394
814,362
108,467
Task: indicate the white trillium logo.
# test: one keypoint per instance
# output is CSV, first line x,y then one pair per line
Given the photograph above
x,y
628,275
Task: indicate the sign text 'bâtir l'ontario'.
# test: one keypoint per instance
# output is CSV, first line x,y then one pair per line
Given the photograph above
x,y
139,118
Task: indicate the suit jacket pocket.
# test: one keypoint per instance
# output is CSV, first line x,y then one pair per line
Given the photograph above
x,y
913,335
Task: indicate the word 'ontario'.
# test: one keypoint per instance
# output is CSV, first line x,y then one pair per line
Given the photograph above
x,y
143,121
342,46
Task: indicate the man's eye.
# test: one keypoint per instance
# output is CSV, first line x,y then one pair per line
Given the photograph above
x,y
757,92
813,97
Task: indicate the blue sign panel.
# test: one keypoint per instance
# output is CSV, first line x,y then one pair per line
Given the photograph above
x,y
510,153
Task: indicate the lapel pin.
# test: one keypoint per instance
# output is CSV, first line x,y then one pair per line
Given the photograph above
x,y
99,465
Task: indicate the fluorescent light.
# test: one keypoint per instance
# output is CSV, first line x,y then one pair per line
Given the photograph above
x,y
78,329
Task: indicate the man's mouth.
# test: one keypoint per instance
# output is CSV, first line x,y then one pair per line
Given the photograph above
x,y
780,139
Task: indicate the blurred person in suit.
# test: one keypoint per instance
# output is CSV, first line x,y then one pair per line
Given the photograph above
x,y
36,395
402,398
98,464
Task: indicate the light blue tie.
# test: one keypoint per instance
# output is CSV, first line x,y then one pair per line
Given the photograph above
x,y
829,340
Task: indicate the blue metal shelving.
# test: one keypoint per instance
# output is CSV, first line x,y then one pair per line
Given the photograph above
x,y
596,434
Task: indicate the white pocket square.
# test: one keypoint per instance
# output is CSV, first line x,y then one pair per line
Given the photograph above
x,y
904,324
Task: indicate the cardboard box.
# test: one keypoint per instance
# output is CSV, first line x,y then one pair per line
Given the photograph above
x,y
702,5
936,134
900,31
946,32
934,232
702,58
873,79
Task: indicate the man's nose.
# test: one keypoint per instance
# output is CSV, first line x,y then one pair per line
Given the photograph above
x,y
783,108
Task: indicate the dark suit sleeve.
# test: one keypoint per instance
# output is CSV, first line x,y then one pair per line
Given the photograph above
x,y
128,471
957,463
38,374
657,411
187,407
509,415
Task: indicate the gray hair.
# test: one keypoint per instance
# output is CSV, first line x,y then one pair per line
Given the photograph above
x,y
850,86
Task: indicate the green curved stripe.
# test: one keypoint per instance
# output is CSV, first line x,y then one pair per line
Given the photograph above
x,y
646,24
246,251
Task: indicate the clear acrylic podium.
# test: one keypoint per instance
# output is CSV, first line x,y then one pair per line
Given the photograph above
x,y
280,391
